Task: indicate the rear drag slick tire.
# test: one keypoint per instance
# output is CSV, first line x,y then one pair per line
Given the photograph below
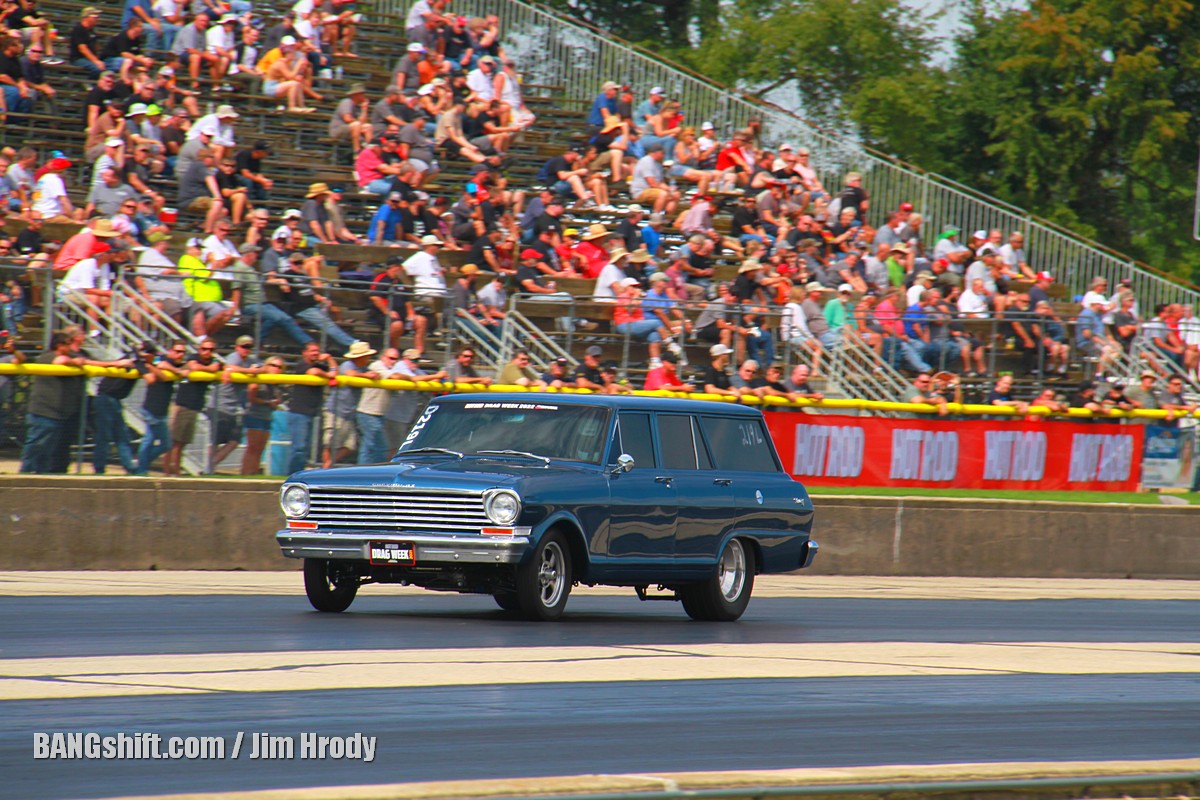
x,y
724,596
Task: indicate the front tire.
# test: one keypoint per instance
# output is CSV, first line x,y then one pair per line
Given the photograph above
x,y
724,596
544,582
328,590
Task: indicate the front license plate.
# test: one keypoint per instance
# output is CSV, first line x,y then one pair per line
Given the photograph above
x,y
393,553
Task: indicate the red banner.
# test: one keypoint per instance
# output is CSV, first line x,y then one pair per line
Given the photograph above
x,y
966,454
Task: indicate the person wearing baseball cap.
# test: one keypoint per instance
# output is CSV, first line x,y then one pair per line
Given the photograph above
x,y
605,105
587,374
716,377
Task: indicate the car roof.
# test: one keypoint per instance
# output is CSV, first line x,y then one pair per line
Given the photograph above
x,y
618,402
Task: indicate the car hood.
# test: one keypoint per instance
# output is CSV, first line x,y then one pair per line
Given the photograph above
x,y
469,472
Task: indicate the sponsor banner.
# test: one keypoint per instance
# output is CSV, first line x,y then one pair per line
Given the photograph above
x,y
962,454
1169,457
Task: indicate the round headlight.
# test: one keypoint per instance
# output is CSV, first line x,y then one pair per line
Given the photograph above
x,y
503,507
294,500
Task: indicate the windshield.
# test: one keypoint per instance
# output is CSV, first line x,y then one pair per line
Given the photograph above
x,y
566,432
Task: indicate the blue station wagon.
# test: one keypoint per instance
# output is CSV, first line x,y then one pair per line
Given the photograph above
x,y
522,496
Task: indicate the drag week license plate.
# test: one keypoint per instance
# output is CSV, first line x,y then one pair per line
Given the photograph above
x,y
394,553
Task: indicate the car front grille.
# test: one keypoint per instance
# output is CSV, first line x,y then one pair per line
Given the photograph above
x,y
399,510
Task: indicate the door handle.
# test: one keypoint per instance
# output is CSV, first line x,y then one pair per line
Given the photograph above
x,y
722,481
664,479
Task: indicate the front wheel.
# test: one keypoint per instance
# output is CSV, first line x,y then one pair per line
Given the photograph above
x,y
328,589
544,582
724,596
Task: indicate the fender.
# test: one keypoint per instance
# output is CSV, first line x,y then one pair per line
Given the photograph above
x,y
569,524
775,551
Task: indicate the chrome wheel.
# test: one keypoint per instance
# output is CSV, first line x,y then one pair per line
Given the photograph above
x,y
543,583
731,572
551,578
723,597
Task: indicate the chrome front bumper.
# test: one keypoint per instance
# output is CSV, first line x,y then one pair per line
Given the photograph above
x,y
431,549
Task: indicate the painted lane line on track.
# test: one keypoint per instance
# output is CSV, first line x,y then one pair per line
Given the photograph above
x,y
43,678
289,583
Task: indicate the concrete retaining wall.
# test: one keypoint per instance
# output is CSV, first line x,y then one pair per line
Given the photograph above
x,y
49,523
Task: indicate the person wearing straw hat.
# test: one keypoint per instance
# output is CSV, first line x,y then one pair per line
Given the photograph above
x,y
608,283
592,250
339,415
314,218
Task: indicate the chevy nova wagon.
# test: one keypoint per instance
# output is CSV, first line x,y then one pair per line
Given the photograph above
x,y
522,496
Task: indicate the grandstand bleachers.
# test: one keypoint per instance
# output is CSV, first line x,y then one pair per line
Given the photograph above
x,y
303,154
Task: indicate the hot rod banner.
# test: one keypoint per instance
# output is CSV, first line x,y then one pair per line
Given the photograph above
x,y
962,454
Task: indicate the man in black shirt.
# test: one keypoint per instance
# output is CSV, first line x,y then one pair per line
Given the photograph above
x,y
457,44
18,96
189,402
746,223
716,380
550,221
391,302
156,403
483,251
250,172
107,90
84,48
587,374
123,52
304,407
29,241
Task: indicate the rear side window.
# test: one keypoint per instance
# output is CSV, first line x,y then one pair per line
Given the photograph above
x,y
739,444
677,441
634,438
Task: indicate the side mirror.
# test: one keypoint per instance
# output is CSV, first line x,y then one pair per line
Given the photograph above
x,y
624,464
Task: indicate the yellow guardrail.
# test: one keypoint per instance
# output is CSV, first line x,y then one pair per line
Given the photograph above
x,y
399,385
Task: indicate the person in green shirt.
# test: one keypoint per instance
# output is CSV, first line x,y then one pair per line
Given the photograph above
x,y
210,311
899,263
835,307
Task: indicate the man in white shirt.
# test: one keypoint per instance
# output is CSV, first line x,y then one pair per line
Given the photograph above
x,y
922,284
91,279
608,281
1014,255
493,298
418,14
52,201
974,301
220,126
482,80
425,270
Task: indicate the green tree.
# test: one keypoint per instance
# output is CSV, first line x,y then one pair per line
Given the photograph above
x,y
834,52
1085,111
